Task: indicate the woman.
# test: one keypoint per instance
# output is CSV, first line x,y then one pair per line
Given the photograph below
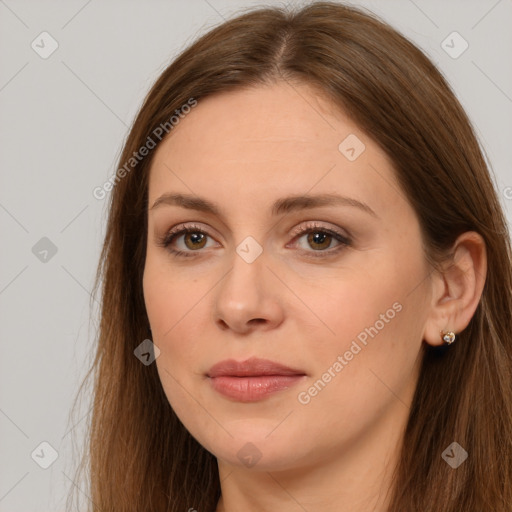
x,y
306,283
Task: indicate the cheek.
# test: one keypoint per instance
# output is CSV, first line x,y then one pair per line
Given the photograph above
x,y
172,304
169,296
374,325
353,300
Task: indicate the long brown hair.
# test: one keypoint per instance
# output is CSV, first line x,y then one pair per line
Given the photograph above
x,y
139,455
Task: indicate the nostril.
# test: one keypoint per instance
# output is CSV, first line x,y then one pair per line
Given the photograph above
x,y
257,320
223,324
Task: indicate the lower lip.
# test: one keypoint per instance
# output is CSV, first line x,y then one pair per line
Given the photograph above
x,y
252,389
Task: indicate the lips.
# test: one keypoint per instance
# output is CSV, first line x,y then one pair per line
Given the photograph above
x,y
251,367
253,379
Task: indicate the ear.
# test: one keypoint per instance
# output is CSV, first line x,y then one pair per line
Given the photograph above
x,y
456,291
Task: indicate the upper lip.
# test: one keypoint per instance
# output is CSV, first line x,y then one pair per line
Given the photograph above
x,y
251,367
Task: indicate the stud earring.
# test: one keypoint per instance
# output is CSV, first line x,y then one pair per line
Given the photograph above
x,y
448,337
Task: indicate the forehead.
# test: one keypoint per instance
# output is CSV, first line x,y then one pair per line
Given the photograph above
x,y
280,115
270,141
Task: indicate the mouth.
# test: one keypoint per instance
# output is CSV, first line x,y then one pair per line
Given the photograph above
x,y
252,380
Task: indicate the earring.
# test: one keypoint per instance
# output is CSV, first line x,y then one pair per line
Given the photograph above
x,y
448,337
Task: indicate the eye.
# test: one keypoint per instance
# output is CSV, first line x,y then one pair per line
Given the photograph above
x,y
320,239
194,239
316,236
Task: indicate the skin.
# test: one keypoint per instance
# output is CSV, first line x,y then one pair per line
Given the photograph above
x,y
243,150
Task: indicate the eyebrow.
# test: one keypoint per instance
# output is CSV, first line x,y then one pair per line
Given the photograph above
x,y
280,206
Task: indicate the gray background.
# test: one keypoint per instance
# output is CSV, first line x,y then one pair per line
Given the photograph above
x,y
63,121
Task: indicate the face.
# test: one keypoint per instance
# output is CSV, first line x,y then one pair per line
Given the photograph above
x,y
302,251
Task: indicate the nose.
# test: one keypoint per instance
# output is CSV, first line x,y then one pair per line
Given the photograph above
x,y
248,297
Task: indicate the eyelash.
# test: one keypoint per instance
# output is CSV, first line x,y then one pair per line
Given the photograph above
x,y
344,241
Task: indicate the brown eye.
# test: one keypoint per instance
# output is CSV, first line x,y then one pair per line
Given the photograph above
x,y
187,241
321,239
317,241
195,240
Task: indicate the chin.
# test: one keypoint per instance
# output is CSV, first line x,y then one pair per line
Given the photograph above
x,y
256,450
258,457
